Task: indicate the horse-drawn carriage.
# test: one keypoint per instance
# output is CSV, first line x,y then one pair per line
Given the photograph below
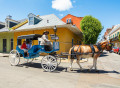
x,y
51,61
48,62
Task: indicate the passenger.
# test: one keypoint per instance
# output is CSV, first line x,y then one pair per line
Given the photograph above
x,y
29,45
45,42
24,48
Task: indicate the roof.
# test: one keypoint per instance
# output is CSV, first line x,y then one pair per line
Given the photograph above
x,y
115,28
22,20
19,25
53,20
2,23
4,30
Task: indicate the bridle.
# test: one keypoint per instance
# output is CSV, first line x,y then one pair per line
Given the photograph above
x,y
107,44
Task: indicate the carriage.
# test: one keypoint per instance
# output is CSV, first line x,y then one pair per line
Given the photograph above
x,y
49,62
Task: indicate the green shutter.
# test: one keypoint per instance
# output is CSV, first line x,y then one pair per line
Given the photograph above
x,y
117,33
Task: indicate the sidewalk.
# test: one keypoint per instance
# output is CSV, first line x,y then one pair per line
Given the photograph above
x,y
4,54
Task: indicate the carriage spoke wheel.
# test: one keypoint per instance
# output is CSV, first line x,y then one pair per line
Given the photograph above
x,y
49,63
14,57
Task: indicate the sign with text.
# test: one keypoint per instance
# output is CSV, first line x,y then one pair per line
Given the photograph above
x,y
53,37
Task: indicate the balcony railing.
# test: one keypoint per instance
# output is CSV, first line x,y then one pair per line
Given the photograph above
x,y
114,39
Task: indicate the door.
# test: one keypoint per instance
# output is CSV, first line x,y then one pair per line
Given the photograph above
x,y
4,45
11,44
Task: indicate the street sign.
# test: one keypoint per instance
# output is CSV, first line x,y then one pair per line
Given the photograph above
x,y
53,37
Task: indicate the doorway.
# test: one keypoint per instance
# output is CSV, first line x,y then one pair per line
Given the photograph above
x,y
4,45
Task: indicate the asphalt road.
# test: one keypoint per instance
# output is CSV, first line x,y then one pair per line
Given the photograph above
x,y
32,75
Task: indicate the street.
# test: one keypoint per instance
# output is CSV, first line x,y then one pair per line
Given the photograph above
x,y
33,76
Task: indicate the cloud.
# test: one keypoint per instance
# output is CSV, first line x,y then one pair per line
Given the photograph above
x,y
61,5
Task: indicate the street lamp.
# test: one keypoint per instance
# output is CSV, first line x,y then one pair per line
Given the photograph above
x,y
55,30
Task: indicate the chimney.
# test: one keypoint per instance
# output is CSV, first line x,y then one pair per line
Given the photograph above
x,y
9,17
113,26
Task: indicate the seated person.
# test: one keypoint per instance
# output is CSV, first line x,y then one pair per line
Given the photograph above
x,y
29,45
24,47
45,42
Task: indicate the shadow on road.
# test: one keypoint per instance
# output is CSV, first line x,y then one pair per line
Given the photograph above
x,y
103,54
95,72
63,69
38,65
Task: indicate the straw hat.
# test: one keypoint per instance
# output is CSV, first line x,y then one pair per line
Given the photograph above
x,y
46,32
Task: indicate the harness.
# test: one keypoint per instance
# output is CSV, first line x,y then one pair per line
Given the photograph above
x,y
93,50
74,53
99,48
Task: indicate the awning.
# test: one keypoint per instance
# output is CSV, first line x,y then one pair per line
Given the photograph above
x,y
31,37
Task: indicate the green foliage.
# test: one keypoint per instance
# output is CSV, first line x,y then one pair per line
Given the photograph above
x,y
91,28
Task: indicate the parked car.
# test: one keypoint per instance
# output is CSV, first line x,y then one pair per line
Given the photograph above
x,y
116,50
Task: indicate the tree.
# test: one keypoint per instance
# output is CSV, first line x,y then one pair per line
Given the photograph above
x,y
91,28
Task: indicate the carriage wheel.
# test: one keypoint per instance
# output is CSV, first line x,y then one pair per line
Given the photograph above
x,y
14,57
28,60
49,63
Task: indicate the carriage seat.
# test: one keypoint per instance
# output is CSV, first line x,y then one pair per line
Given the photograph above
x,y
34,50
19,50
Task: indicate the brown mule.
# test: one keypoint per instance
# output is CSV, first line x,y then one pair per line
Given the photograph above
x,y
86,51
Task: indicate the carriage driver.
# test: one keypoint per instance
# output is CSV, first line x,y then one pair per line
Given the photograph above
x,y
45,42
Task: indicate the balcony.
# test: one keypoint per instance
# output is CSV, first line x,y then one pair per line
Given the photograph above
x,y
114,39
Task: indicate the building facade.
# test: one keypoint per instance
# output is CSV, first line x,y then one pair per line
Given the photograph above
x,y
7,36
106,34
67,33
114,35
74,20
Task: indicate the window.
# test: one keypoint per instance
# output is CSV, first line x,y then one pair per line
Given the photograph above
x,y
117,33
70,20
67,21
113,36
19,42
31,20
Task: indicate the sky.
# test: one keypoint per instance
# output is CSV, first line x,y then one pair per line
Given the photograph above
x,y
106,11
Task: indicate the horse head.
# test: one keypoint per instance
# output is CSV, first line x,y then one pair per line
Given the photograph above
x,y
106,45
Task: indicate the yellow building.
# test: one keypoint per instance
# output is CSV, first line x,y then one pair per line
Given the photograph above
x,y
114,35
67,33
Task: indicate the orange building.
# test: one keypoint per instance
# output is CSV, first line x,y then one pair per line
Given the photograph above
x,y
106,37
71,19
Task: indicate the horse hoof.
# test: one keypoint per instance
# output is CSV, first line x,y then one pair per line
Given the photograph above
x,y
71,69
65,69
89,70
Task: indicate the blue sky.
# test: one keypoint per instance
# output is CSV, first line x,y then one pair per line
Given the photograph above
x,y
107,11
